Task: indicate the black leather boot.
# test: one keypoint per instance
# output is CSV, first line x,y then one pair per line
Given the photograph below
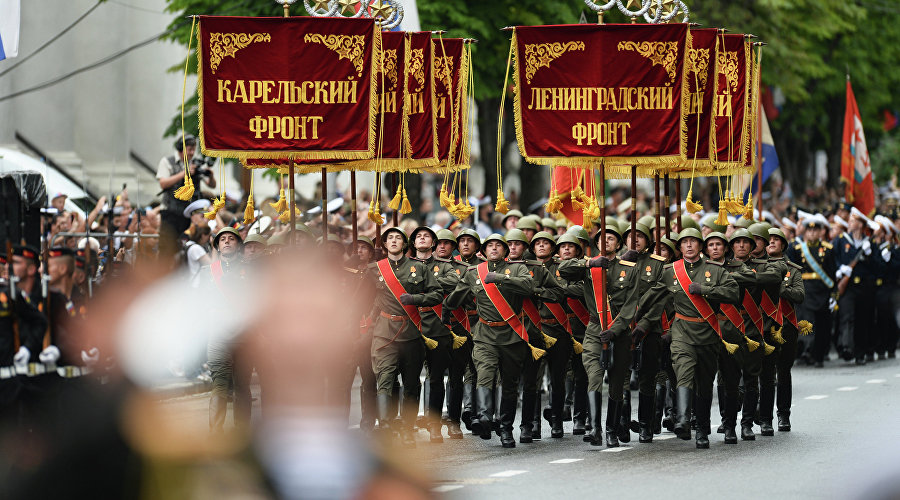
x,y
624,427
702,412
468,406
766,404
720,392
668,422
684,397
483,423
784,406
507,416
556,426
658,408
595,405
536,421
529,401
646,412
613,408
748,413
730,418
454,407
579,417
569,400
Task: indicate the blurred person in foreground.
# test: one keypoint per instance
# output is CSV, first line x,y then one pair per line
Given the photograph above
x,y
129,444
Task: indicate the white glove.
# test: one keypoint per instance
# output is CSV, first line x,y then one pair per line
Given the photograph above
x,y
90,357
867,247
845,270
49,355
22,356
886,255
832,304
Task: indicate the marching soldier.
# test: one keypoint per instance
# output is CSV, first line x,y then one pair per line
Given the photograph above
x,y
501,341
646,335
468,245
546,288
857,272
778,366
886,285
815,255
691,283
402,285
362,345
458,322
614,340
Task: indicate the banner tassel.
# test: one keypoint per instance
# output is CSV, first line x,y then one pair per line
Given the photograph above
x,y
405,207
395,201
805,327
692,206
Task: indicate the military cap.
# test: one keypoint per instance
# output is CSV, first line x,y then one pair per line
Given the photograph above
x,y
571,238
543,235
690,233
222,232
647,220
332,239
255,238
709,221
60,252
760,230
434,240
688,222
641,228
667,242
528,223
304,229
741,233
364,239
548,222
445,235
395,230
580,233
279,239
779,233
743,223
715,234
516,235
561,223
511,213
471,234
497,237
612,226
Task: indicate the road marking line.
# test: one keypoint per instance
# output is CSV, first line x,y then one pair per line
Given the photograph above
x,y
566,460
816,396
663,437
897,375
445,488
876,381
616,450
847,389
508,473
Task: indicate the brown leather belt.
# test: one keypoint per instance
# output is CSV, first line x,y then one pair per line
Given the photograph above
x,y
393,317
571,315
425,309
493,323
471,312
722,317
689,319
549,321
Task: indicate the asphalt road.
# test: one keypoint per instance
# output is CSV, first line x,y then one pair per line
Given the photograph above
x,y
845,443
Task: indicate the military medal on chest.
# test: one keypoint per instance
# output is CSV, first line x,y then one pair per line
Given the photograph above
x,y
648,270
412,271
622,275
436,270
707,274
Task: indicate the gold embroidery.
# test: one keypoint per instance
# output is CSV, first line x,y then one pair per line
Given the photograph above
x,y
350,47
417,68
222,45
540,55
389,67
727,62
698,62
443,68
663,53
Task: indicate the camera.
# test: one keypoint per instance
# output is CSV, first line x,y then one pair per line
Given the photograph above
x,y
203,163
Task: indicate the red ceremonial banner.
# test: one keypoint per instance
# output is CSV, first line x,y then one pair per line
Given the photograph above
x,y
729,139
699,73
588,92
451,101
296,87
856,171
419,122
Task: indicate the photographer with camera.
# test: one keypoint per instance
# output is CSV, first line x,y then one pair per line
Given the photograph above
x,y
171,176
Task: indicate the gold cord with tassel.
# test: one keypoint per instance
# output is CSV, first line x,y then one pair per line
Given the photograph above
x,y
458,340
430,343
766,347
281,205
731,348
776,334
502,204
752,345
186,192
250,209
577,346
536,353
548,340
805,327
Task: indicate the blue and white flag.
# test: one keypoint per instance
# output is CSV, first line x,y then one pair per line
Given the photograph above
x,y
9,28
769,160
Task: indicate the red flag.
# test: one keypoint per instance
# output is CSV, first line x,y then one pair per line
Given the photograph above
x,y
856,171
564,181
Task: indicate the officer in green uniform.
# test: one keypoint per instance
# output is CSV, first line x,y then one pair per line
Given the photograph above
x,y
776,371
397,344
460,357
529,226
498,349
510,219
695,343
546,288
621,285
646,335
665,378
469,244
364,254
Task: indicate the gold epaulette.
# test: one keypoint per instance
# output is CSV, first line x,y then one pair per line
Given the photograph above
x,y
626,263
793,264
827,245
657,257
351,270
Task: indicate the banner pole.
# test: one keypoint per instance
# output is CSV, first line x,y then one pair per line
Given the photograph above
x,y
354,223
605,354
324,204
666,188
678,227
658,204
293,206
